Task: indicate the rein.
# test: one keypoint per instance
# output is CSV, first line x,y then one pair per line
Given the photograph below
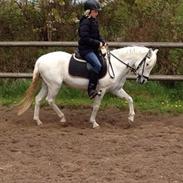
x,y
148,55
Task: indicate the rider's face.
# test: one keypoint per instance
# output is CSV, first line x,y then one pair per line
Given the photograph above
x,y
94,13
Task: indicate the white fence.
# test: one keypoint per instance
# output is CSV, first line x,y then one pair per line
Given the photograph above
x,y
111,44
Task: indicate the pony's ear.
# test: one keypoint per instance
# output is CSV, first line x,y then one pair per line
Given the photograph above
x,y
156,51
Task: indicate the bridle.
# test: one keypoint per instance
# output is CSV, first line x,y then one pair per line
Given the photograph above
x,y
134,70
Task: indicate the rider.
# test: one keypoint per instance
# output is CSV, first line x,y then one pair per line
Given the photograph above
x,y
89,43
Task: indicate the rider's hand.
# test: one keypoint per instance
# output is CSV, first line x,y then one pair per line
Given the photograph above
x,y
101,44
106,44
103,50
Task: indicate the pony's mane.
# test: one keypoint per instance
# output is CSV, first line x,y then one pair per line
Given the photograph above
x,y
131,50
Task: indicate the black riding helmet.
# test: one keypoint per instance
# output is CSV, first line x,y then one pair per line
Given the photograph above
x,y
92,5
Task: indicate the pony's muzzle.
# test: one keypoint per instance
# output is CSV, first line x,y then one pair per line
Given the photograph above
x,y
142,79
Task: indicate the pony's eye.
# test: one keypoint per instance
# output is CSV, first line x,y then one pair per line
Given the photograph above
x,y
147,64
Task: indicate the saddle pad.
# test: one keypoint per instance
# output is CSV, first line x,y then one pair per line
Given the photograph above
x,y
79,69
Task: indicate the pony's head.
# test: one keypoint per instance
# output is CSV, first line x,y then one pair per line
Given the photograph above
x,y
144,67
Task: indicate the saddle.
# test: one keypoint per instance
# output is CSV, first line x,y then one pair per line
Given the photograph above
x,y
80,68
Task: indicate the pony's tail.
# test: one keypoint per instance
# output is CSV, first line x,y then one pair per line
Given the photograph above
x,y
26,102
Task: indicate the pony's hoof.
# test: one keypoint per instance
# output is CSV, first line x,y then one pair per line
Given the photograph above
x,y
96,125
39,123
63,120
128,125
131,119
130,122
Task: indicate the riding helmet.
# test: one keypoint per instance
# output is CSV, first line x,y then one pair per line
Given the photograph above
x,y
92,5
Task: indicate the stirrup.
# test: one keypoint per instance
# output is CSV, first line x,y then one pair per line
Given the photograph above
x,y
93,93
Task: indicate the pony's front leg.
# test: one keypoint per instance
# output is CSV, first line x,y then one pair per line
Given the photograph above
x,y
122,94
96,105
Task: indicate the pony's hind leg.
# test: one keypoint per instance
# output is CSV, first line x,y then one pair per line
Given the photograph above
x,y
40,96
52,92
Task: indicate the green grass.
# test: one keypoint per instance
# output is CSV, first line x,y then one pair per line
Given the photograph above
x,y
151,97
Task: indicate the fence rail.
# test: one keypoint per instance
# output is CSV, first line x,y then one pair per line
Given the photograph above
x,y
74,44
129,77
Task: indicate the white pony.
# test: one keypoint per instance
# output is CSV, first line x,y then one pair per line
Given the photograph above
x,y
52,68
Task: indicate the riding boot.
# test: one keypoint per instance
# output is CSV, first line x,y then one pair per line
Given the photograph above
x,y
93,80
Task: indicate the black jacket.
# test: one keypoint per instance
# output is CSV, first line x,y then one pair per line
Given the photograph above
x,y
89,36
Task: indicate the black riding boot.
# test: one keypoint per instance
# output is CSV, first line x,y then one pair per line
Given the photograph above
x,y
93,80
